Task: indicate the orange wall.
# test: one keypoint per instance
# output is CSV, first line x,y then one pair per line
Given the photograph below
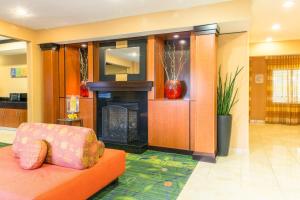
x,y
258,90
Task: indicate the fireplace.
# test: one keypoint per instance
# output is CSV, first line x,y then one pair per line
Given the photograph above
x,y
122,120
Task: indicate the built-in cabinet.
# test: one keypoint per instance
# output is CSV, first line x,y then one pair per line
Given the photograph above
x,y
169,124
12,117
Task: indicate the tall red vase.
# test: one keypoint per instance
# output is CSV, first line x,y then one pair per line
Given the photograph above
x,y
173,89
84,91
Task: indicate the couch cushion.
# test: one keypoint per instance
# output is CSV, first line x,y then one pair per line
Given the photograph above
x,y
33,154
69,146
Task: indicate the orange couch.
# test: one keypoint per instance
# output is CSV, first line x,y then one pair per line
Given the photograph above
x,y
55,182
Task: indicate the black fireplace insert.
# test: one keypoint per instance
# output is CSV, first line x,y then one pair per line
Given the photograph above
x,y
122,120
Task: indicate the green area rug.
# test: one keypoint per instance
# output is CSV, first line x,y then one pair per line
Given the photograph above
x,y
3,144
152,175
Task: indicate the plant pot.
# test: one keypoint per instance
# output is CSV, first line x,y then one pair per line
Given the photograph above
x,y
173,89
84,91
224,134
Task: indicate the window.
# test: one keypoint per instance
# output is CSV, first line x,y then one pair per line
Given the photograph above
x,y
286,86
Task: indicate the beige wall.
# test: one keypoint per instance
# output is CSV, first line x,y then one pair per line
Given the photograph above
x,y
291,47
229,11
8,84
233,51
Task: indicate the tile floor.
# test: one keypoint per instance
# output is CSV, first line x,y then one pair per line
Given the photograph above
x,y
270,171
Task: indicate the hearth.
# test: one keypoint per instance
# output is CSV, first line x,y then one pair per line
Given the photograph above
x,y
122,120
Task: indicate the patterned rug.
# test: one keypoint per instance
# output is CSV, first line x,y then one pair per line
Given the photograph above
x,y
152,175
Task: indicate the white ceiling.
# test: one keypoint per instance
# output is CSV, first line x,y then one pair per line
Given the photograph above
x,y
267,12
55,13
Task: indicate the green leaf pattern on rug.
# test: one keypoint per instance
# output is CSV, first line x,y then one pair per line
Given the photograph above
x,y
152,175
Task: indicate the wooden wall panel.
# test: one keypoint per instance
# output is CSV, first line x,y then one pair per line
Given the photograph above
x,y
155,70
51,85
61,71
203,94
86,109
168,124
151,63
72,70
91,65
159,75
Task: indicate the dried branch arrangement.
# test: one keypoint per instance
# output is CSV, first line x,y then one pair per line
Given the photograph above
x,y
173,59
83,53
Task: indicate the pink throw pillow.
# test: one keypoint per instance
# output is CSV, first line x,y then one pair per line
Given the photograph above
x,y
33,154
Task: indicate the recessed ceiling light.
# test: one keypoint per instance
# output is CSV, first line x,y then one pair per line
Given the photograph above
x,y
83,45
269,39
176,36
21,12
134,54
276,27
288,4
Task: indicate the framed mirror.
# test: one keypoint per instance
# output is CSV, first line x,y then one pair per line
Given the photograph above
x,y
128,61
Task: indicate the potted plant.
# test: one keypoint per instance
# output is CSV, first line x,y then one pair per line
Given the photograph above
x,y
226,99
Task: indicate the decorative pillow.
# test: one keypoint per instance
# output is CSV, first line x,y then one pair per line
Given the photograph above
x,y
33,154
68,146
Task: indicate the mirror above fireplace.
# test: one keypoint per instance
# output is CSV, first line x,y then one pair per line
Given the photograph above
x,y
126,62
122,61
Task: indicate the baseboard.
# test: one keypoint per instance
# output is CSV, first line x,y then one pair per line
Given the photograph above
x,y
205,157
170,150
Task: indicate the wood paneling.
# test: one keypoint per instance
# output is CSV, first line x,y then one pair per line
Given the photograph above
x,y
151,63
86,109
168,124
12,117
51,85
61,70
159,76
155,70
203,93
258,93
62,108
72,70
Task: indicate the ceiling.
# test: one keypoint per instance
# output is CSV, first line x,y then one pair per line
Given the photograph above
x,y
267,12
49,14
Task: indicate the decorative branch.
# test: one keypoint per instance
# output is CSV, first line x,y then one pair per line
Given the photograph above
x,y
173,65
83,64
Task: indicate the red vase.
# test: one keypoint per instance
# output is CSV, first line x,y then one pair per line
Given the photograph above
x,y
173,89
84,91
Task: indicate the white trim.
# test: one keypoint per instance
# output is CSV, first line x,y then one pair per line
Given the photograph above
x,y
255,121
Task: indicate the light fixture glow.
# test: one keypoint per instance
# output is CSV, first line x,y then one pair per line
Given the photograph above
x,y
176,36
288,4
83,45
269,39
276,27
182,42
21,12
